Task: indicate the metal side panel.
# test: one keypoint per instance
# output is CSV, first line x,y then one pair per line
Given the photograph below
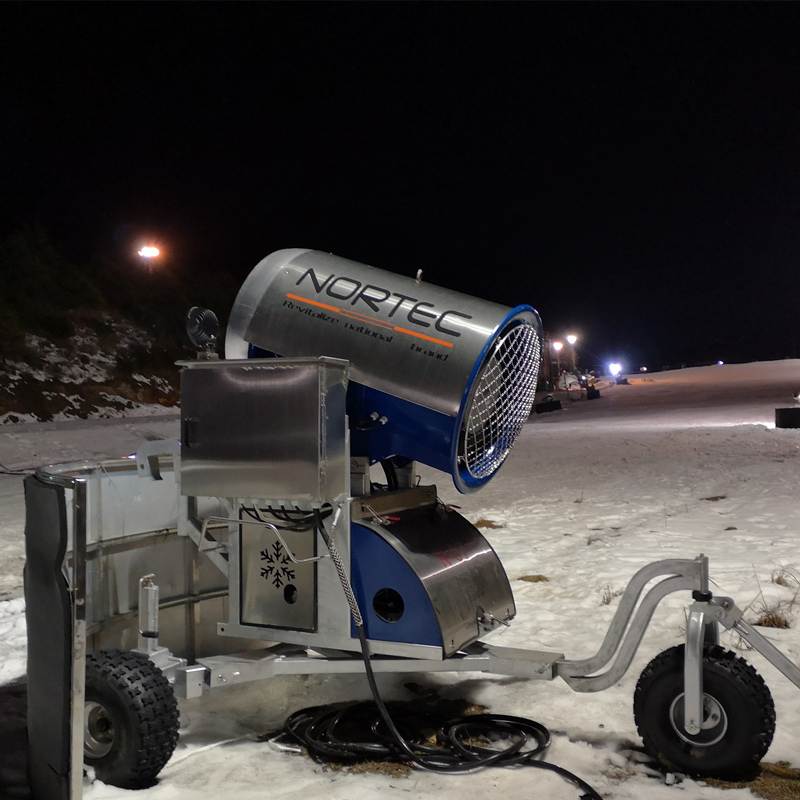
x,y
275,590
122,504
48,613
119,503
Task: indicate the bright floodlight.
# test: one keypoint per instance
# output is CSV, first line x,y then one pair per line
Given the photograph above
x,y
149,252
615,369
572,338
557,346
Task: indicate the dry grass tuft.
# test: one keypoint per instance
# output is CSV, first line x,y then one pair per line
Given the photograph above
x,y
390,768
619,774
773,616
487,523
786,577
608,594
774,782
775,613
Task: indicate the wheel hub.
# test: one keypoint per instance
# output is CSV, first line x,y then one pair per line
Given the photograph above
x,y
98,730
713,727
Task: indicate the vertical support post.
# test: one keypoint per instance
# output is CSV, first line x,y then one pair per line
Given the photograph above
x,y
148,614
704,586
693,671
79,518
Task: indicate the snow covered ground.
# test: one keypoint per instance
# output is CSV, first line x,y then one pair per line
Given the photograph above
x,y
672,465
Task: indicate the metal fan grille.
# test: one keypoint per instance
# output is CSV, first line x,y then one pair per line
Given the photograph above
x,y
502,400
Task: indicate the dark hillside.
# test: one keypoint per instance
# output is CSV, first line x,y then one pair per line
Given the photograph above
x,y
92,339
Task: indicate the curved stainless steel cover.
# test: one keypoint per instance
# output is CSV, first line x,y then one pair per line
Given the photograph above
x,y
411,339
458,568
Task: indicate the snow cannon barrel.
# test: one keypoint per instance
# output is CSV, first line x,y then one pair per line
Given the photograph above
x,y
436,376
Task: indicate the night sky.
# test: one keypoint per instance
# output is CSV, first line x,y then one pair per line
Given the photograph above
x,y
631,170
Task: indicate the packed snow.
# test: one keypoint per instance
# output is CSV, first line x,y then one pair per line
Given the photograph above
x,y
671,465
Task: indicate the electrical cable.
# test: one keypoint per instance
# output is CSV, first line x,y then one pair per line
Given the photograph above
x,y
318,729
391,474
297,520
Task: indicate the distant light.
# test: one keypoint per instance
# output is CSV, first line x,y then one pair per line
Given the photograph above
x,y
572,338
614,369
557,346
149,252
720,363
642,369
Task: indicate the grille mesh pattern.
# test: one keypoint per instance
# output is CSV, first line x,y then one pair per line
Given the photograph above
x,y
501,402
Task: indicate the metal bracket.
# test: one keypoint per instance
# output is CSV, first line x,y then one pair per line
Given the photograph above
x,y
725,611
197,530
147,457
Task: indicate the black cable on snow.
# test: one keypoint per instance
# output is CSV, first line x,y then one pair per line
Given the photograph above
x,y
399,735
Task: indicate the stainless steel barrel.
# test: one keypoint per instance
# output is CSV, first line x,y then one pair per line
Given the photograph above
x,y
453,376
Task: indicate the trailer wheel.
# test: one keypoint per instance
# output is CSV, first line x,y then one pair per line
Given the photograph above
x,y
739,715
130,718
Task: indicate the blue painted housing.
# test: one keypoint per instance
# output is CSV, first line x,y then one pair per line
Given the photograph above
x,y
375,566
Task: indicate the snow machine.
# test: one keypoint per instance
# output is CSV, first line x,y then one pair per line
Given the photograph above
x,y
260,544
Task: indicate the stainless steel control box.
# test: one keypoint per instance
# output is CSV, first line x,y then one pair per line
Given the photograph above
x,y
264,428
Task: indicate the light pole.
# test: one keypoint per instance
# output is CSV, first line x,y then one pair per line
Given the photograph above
x,y
558,346
148,254
572,338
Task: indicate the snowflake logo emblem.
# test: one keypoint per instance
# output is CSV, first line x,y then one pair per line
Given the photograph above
x,y
276,570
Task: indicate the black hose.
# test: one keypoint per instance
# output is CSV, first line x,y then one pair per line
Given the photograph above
x,y
318,729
